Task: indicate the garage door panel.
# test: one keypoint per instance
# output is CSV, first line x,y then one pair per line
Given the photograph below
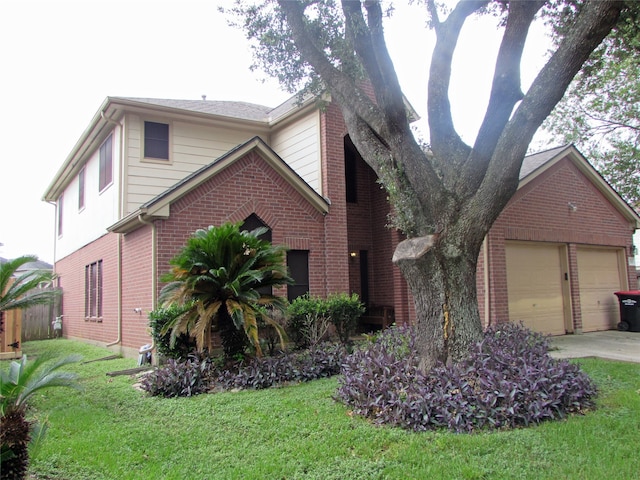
x,y
534,283
599,277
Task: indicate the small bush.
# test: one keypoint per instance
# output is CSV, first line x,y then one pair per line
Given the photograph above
x,y
344,311
178,378
320,362
308,321
508,381
184,344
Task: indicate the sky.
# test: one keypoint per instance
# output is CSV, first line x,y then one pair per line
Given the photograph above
x,y
60,59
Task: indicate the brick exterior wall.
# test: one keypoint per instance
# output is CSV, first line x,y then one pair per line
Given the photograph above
x,y
71,273
137,291
248,186
332,132
539,212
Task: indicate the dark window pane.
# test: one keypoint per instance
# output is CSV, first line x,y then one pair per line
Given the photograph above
x,y
156,140
298,263
351,157
106,164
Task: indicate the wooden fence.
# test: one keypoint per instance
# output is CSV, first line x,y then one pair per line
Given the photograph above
x,y
37,320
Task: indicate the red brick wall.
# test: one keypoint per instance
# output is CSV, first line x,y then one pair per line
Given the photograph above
x,y
539,211
332,132
137,291
72,280
248,186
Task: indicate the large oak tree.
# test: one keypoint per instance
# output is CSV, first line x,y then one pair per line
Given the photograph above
x,y
445,198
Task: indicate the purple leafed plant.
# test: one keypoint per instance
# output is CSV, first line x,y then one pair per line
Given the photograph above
x,y
508,381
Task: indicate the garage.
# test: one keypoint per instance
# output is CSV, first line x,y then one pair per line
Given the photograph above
x,y
537,290
599,276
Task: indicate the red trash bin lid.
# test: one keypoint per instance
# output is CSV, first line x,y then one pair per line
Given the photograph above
x,y
628,292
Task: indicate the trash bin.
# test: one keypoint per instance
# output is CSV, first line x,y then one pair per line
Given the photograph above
x,y
629,310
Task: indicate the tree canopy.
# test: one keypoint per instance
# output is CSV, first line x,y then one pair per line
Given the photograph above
x,y
447,197
600,112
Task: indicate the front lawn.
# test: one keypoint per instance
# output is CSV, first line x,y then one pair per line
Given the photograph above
x,y
112,431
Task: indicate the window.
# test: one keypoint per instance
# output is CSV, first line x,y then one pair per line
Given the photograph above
x,y
156,140
106,163
81,189
298,263
60,205
351,157
250,224
93,290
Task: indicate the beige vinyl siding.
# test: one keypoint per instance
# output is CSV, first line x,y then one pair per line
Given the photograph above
x,y
192,147
298,144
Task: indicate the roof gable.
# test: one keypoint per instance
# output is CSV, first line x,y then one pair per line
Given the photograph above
x,y
534,165
159,207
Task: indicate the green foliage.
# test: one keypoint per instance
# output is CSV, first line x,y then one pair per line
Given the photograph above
x,y
600,112
22,292
344,312
310,318
112,431
308,321
217,276
18,384
179,346
23,379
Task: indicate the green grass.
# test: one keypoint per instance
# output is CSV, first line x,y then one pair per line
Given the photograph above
x,y
112,431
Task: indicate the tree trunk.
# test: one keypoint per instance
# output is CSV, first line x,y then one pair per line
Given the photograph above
x,y
234,340
442,279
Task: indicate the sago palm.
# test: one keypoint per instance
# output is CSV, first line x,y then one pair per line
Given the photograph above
x,y
22,380
219,274
22,293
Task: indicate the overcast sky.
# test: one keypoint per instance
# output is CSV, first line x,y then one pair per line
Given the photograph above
x,y
61,59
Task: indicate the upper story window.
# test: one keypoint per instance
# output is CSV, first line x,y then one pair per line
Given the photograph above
x,y
81,189
351,156
60,204
156,140
106,163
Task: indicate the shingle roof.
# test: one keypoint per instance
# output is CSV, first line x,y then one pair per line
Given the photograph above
x,y
532,162
242,110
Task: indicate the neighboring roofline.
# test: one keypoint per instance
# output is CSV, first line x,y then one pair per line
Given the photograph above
x,y
159,206
579,160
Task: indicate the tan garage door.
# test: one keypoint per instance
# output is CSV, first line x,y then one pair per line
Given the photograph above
x,y
535,276
599,275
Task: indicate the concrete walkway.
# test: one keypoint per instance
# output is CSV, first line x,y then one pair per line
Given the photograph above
x,y
612,344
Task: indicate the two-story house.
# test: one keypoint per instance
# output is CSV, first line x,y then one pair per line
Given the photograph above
x,y
146,173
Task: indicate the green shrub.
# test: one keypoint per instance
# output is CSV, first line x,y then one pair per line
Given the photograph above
x,y
344,312
183,345
308,321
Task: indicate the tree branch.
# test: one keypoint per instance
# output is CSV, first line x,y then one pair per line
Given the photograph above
x,y
339,83
593,23
371,47
445,141
506,89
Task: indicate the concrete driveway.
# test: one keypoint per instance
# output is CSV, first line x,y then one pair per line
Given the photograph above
x,y
612,344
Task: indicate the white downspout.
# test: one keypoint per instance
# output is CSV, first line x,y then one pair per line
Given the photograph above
x,y
119,244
